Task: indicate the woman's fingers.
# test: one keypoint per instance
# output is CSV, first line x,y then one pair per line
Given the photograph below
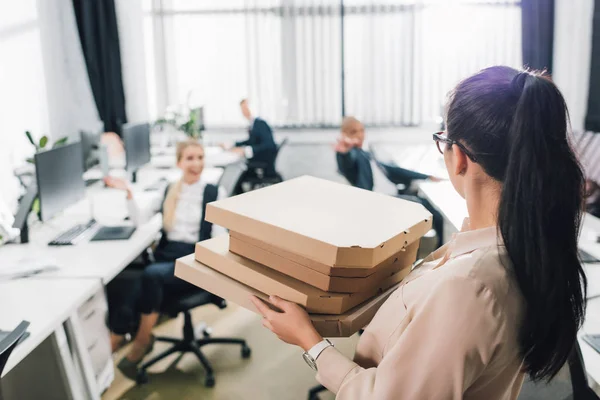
x,y
261,307
278,302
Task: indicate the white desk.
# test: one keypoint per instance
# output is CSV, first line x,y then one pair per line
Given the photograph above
x,y
214,156
591,358
46,304
52,298
421,158
148,175
590,231
443,197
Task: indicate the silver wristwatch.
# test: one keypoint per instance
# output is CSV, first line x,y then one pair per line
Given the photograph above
x,y
310,356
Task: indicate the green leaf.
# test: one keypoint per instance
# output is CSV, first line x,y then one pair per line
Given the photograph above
x,y
30,160
28,134
60,142
35,207
43,141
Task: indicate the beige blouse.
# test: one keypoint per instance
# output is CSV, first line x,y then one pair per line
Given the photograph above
x,y
449,332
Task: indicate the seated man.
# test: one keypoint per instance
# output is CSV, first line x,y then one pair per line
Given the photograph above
x,y
354,164
260,148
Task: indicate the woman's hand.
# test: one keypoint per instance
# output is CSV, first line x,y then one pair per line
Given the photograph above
x,y
117,183
292,325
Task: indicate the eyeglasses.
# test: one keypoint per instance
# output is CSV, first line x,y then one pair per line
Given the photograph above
x,y
440,137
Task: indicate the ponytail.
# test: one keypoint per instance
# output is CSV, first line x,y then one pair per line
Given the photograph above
x,y
539,219
524,141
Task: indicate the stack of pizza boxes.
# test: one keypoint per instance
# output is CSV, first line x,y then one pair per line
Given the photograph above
x,y
336,250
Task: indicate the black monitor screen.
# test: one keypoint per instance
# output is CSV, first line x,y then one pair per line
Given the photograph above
x,y
90,143
59,174
136,138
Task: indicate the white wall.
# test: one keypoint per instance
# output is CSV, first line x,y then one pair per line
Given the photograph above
x,y
572,49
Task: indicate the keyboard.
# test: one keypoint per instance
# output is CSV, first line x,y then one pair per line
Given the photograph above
x,y
90,182
73,235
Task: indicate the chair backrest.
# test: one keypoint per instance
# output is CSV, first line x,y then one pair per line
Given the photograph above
x,y
579,381
383,166
283,143
10,341
231,176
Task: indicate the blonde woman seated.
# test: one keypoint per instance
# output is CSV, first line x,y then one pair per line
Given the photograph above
x,y
183,225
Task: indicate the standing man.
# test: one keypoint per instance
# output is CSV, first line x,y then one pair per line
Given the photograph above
x,y
259,149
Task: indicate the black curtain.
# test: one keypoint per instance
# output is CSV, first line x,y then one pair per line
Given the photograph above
x,y
592,119
537,29
99,36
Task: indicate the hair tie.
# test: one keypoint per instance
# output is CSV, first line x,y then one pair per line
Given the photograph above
x,y
519,81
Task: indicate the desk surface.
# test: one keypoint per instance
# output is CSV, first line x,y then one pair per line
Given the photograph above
x,y
443,197
422,158
454,209
45,304
105,259
214,156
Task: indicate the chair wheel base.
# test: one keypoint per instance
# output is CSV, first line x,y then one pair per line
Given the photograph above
x,y
246,352
209,381
141,377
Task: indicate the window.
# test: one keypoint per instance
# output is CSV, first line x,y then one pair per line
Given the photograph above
x,y
22,89
400,57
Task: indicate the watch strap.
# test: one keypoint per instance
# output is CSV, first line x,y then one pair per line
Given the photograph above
x,y
318,348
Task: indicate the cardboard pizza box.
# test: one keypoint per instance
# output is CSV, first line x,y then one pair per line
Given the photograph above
x,y
330,223
299,268
215,254
344,325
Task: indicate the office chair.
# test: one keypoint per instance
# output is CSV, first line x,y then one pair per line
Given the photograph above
x,y
579,381
10,341
8,344
189,343
403,182
259,175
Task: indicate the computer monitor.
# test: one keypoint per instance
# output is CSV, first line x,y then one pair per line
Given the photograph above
x,y
136,138
59,174
90,146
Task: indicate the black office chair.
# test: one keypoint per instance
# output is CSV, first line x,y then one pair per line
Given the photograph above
x,y
10,341
259,176
579,381
189,343
404,185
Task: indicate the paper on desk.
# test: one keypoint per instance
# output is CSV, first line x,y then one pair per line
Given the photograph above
x,y
23,267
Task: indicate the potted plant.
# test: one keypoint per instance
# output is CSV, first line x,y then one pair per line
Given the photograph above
x,y
42,143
